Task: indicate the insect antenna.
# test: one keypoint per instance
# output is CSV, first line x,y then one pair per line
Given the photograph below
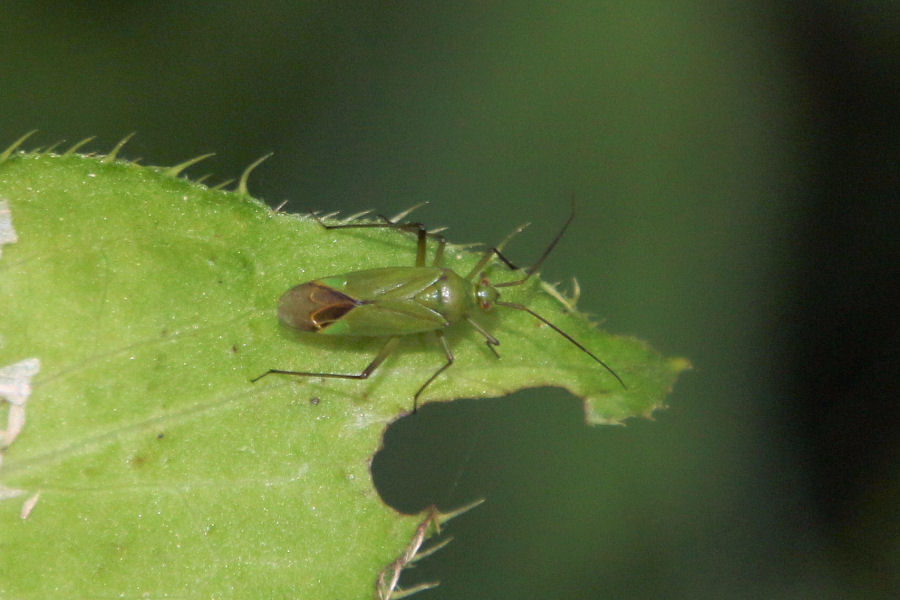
x,y
531,271
564,334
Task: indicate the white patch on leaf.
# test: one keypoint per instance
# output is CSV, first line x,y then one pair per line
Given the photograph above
x,y
7,233
15,388
28,505
7,493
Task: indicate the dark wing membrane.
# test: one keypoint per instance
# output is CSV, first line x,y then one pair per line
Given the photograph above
x,y
313,306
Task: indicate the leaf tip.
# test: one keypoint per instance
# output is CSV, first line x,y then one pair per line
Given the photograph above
x,y
242,183
176,170
114,153
4,156
78,145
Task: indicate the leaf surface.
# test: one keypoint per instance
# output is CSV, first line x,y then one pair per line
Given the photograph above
x,y
148,464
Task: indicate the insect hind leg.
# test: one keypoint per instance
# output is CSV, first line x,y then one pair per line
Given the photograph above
x,y
376,362
422,235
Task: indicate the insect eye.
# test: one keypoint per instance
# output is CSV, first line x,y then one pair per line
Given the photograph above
x,y
486,294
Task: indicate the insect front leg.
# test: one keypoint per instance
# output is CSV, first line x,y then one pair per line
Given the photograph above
x,y
496,251
439,253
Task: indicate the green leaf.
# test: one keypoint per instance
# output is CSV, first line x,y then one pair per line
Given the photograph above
x,y
148,465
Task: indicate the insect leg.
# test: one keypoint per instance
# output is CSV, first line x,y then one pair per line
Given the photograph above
x,y
449,354
489,340
413,227
379,358
439,253
531,270
422,235
420,245
495,251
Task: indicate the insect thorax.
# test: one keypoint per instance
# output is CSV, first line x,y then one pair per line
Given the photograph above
x,y
451,296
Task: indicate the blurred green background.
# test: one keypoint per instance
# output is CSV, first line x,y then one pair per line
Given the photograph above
x,y
735,166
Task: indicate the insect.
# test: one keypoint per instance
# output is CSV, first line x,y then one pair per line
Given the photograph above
x,y
392,302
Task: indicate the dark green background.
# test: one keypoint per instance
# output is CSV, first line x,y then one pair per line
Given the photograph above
x,y
735,166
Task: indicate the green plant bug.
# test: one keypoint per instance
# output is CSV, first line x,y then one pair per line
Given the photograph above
x,y
393,302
